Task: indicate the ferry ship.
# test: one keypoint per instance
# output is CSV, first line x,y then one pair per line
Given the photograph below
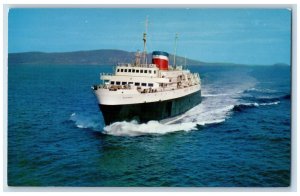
x,y
147,91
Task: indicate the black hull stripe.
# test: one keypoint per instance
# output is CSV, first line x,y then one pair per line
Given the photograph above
x,y
144,112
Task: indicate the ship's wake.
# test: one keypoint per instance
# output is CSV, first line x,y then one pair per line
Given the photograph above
x,y
220,100
210,111
152,127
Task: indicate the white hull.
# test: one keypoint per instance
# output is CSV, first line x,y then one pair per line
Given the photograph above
x,y
133,96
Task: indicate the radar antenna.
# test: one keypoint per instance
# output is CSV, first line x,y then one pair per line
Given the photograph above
x,y
145,40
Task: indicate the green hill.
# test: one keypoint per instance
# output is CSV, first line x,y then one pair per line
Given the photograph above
x,y
92,57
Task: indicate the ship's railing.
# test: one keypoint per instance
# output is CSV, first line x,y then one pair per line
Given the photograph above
x,y
148,90
139,89
124,64
136,65
106,74
112,87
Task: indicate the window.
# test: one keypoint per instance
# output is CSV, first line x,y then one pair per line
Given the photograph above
x,y
121,70
150,71
144,84
150,84
129,70
124,83
125,70
133,70
112,82
137,71
141,71
118,83
118,70
137,84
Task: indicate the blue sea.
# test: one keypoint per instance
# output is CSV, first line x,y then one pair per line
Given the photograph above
x,y
239,136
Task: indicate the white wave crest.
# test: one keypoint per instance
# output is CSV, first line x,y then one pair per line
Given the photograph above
x,y
258,104
265,90
249,104
85,121
152,127
214,95
272,103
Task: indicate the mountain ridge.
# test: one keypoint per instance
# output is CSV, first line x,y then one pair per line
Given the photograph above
x,y
98,57
86,57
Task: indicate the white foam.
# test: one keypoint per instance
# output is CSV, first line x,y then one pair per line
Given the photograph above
x,y
265,90
152,127
85,121
250,104
214,95
272,103
254,104
259,104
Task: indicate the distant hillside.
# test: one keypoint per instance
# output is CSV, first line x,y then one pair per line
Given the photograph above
x,y
92,57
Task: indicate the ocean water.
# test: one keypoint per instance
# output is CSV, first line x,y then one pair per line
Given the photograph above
x,y
239,136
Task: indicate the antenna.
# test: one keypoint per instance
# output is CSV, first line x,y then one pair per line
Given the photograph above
x,y
176,37
145,39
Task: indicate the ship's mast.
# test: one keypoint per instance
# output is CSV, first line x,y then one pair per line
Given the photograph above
x,y
176,37
138,58
144,39
184,62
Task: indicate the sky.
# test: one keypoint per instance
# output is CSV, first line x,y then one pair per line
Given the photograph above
x,y
244,35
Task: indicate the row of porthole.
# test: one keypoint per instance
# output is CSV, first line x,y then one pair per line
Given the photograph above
x,y
136,71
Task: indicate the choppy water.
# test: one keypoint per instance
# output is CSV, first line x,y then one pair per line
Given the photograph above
x,y
238,136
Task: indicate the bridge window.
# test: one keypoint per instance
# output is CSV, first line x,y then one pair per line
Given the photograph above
x,y
150,84
137,71
137,84
130,83
124,83
154,72
144,84
141,71
121,70
145,71
112,82
125,70
129,70
118,70
150,71
133,70
118,83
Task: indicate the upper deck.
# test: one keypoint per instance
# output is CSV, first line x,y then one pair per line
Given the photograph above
x,y
149,70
